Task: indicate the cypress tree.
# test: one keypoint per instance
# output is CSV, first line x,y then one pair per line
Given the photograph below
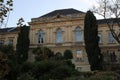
x,y
22,46
91,41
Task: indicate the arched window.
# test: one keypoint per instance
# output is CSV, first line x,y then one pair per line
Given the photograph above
x,y
59,36
78,34
40,36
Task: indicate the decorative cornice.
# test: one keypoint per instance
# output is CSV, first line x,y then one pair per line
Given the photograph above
x,y
55,19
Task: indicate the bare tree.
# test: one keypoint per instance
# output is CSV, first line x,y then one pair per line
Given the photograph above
x,y
5,8
110,11
20,23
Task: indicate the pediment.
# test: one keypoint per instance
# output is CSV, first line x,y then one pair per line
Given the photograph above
x,y
58,18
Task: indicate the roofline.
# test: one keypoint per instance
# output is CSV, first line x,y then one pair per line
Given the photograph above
x,y
59,10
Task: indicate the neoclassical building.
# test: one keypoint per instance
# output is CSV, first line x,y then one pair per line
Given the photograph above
x,y
62,30
8,36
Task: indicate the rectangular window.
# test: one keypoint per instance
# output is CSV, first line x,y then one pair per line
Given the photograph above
x,y
78,36
79,68
79,56
41,37
100,38
110,38
59,36
10,42
1,42
113,57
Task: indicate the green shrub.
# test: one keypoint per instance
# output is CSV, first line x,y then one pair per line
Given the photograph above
x,y
104,76
68,54
95,76
42,53
61,72
25,77
58,56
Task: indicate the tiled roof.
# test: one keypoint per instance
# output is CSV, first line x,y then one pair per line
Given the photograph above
x,y
11,29
3,30
103,21
63,12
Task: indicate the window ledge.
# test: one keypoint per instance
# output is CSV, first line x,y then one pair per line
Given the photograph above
x,y
100,43
79,60
79,42
111,43
58,43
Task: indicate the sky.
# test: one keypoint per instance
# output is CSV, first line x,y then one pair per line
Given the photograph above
x,y
28,9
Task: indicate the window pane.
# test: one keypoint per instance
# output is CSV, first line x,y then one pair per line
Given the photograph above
x,y
113,56
111,38
41,37
1,42
10,42
79,55
59,36
78,34
100,38
79,68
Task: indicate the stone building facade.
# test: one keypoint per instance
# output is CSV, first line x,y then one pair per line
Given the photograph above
x,y
62,30
8,36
